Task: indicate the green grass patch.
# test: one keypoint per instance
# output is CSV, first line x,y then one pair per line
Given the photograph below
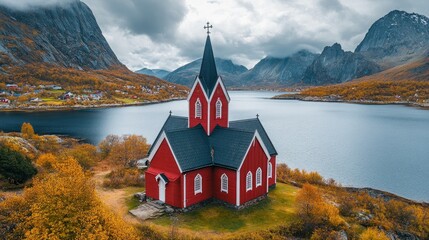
x,y
130,200
52,101
277,209
125,100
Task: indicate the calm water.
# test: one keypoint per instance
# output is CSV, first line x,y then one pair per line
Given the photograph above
x,y
384,147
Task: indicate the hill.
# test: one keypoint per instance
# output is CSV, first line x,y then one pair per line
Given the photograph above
x,y
186,74
63,35
272,71
159,73
57,56
335,65
397,38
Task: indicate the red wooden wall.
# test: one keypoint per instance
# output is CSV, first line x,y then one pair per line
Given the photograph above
x,y
207,175
255,158
272,180
223,122
229,197
163,162
198,93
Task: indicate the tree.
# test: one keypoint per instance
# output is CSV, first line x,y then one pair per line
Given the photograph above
x,y
27,131
125,150
62,205
314,212
85,154
15,166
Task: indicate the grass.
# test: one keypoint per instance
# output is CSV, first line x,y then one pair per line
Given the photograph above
x,y
277,209
52,101
130,200
125,100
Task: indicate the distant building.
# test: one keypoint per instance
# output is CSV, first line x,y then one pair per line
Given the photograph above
x,y
4,100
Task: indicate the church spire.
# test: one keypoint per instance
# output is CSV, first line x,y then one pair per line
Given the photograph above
x,y
208,73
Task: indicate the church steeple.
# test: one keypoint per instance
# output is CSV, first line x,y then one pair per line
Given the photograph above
x,y
208,72
208,99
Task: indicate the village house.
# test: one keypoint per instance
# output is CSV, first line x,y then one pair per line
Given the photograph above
x,y
4,100
204,156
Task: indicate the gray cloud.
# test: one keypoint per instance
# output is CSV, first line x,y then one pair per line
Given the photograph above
x,y
154,18
29,4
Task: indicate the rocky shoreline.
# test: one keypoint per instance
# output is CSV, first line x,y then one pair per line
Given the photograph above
x,y
36,108
297,96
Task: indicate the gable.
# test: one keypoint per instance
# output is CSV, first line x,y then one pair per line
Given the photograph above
x,y
163,158
252,125
172,123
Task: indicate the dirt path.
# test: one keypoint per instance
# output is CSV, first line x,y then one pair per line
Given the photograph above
x,y
115,199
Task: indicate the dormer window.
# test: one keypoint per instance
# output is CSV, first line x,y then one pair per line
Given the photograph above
x,y
218,108
198,109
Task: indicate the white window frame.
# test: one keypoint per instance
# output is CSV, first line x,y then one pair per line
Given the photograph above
x,y
258,177
218,108
198,109
249,181
198,186
270,170
224,185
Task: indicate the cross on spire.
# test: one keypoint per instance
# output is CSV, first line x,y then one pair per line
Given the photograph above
x,y
208,28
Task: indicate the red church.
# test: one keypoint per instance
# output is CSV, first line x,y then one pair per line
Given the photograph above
x,y
205,156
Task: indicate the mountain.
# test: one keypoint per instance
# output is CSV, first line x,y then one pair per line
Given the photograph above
x,y
397,38
159,73
278,71
334,65
186,74
65,35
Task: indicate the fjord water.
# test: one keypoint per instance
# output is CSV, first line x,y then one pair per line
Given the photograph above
x,y
379,146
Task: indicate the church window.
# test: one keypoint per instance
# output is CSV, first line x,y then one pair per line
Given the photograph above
x,y
198,184
249,181
258,177
218,108
224,183
270,170
198,109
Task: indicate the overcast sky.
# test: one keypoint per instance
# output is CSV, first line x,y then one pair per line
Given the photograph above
x,y
169,33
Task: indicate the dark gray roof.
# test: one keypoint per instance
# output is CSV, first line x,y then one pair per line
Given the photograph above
x,y
165,178
208,73
251,125
230,146
191,147
172,123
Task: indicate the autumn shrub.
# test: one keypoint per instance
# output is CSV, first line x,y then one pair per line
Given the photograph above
x,y
15,166
314,212
287,175
124,177
123,151
373,234
27,131
61,205
85,154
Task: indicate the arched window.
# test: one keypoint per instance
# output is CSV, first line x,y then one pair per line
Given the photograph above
x,y
258,177
224,183
218,108
198,109
249,181
270,170
198,184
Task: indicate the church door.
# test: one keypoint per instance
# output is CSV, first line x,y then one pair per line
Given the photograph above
x,y
161,185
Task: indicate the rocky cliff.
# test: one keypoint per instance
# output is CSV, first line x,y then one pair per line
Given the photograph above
x,y
396,38
186,74
65,35
334,65
272,71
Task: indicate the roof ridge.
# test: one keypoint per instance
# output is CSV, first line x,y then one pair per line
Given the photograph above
x,y
244,120
175,116
234,129
184,129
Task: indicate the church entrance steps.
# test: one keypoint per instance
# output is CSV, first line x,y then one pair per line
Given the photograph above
x,y
148,210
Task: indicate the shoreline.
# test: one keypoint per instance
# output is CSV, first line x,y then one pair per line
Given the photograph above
x,y
298,97
82,107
